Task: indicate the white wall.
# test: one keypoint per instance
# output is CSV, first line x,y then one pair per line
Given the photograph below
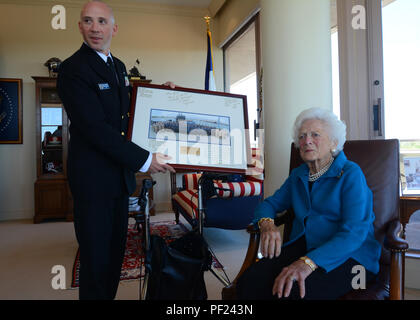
x,y
295,78
170,43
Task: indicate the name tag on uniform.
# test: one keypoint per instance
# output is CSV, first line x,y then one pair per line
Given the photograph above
x,y
127,82
103,86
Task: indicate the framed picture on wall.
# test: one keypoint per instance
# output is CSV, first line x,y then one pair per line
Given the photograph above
x,y
199,130
10,111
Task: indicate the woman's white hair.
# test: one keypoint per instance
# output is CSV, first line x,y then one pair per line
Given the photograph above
x,y
336,128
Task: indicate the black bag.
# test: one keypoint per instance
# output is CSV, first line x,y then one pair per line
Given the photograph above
x,y
176,271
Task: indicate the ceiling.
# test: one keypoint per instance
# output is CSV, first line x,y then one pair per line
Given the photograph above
x,y
186,3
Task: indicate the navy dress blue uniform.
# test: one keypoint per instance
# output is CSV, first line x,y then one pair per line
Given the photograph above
x,y
101,165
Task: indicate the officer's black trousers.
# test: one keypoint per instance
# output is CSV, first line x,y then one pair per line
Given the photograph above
x,y
101,230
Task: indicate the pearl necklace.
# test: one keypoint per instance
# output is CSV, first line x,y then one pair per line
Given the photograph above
x,y
317,175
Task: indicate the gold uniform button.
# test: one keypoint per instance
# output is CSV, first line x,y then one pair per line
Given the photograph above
x,y
123,133
128,114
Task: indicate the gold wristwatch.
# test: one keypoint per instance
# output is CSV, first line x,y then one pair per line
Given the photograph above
x,y
309,262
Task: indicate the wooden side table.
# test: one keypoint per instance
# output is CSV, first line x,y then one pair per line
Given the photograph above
x,y
408,205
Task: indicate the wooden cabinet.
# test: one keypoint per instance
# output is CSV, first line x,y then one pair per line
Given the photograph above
x,y
52,200
52,194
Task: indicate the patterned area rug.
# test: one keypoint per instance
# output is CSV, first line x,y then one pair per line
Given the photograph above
x,y
130,270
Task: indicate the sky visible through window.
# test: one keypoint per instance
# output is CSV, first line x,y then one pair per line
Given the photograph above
x,y
401,41
335,74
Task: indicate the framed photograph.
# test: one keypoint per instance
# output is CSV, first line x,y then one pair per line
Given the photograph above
x,y
10,111
199,130
411,185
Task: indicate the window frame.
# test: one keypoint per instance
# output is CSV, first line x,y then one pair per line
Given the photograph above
x,y
254,19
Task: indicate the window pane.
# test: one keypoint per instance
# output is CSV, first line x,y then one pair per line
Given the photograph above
x,y
335,60
401,44
335,74
51,116
241,73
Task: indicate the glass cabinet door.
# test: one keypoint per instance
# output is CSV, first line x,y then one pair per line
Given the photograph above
x,y
51,132
51,140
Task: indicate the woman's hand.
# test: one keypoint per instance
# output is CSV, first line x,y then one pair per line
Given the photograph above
x,y
270,239
297,271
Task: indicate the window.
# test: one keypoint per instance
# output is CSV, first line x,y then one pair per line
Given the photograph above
x,y
335,60
401,47
401,67
335,72
241,64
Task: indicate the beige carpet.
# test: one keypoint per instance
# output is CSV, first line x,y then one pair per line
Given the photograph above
x,y
29,251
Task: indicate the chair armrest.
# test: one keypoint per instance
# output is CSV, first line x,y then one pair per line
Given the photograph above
x,y
393,241
280,219
252,252
397,246
254,240
229,293
252,229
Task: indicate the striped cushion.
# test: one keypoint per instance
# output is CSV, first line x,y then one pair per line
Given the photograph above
x,y
251,187
188,200
238,189
190,180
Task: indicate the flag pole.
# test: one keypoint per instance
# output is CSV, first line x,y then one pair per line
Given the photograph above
x,y
210,85
207,18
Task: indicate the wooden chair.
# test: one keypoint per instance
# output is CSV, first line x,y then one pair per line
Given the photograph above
x,y
379,161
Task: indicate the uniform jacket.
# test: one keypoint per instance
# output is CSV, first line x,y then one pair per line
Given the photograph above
x,y
336,216
100,159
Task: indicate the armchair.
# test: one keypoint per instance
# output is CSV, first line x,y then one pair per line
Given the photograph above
x,y
232,207
379,161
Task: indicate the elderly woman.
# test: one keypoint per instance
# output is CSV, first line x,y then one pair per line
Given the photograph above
x,y
332,231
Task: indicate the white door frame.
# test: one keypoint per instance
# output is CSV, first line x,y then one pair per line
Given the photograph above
x,y
375,68
361,64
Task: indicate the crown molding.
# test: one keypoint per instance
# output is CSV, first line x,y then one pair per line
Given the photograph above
x,y
120,5
215,6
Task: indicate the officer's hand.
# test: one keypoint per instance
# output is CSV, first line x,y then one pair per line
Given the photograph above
x,y
170,84
159,163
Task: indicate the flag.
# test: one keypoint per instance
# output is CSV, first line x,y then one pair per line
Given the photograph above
x,y
210,83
